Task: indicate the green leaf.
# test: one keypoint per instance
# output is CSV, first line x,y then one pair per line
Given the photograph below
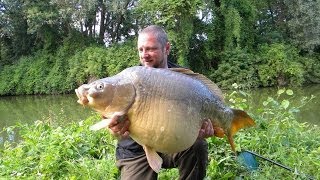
x,y
280,91
285,104
289,92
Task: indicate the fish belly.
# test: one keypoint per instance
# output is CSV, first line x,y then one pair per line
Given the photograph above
x,y
168,110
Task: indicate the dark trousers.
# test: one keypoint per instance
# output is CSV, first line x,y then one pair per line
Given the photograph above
x,y
191,163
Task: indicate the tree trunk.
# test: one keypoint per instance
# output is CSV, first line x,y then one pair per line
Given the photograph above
x,y
102,21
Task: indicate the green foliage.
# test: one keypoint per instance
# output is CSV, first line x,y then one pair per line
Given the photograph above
x,y
14,39
40,13
304,24
27,76
97,62
277,136
56,79
6,81
275,65
233,25
49,152
280,65
121,56
72,65
312,68
86,65
202,34
239,17
198,58
236,67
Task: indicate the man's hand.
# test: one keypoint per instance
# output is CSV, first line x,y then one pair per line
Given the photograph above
x,y
206,129
119,126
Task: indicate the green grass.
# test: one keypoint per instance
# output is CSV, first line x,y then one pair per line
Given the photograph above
x,y
46,151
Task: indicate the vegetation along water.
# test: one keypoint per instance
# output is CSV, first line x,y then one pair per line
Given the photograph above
x,y
52,47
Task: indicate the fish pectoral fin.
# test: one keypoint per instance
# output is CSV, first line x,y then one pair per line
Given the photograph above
x,y
154,160
101,124
218,132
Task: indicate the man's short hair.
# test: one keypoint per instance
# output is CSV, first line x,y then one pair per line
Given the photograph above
x,y
158,32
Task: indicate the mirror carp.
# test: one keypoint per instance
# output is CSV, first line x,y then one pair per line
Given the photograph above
x,y
166,108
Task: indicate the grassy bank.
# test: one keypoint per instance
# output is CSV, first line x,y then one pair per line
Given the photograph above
x,y
47,151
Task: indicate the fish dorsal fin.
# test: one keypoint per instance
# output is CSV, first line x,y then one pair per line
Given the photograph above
x,y
206,81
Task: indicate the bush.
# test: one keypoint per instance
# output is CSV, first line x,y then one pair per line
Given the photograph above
x,y
312,68
6,81
55,81
236,67
69,67
98,62
27,76
280,65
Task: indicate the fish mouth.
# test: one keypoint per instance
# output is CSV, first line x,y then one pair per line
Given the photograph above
x,y
82,96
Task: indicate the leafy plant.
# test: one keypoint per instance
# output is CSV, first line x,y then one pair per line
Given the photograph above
x,y
280,65
45,151
236,67
277,136
98,62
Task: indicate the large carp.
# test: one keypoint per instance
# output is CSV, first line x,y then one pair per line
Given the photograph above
x,y
166,107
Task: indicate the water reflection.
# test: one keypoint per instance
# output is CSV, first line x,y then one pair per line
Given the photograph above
x,y
56,109
8,134
59,109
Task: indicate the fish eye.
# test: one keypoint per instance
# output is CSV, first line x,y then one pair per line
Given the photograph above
x,y
100,86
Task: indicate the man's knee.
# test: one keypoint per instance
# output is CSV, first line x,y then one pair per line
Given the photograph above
x,y
136,168
200,148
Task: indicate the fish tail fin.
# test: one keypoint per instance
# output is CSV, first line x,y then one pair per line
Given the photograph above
x,y
241,120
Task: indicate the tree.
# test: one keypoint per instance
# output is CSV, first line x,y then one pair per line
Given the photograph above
x,y
272,26
15,40
304,24
120,20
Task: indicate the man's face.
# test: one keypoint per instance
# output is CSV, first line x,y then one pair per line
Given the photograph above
x,y
151,53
